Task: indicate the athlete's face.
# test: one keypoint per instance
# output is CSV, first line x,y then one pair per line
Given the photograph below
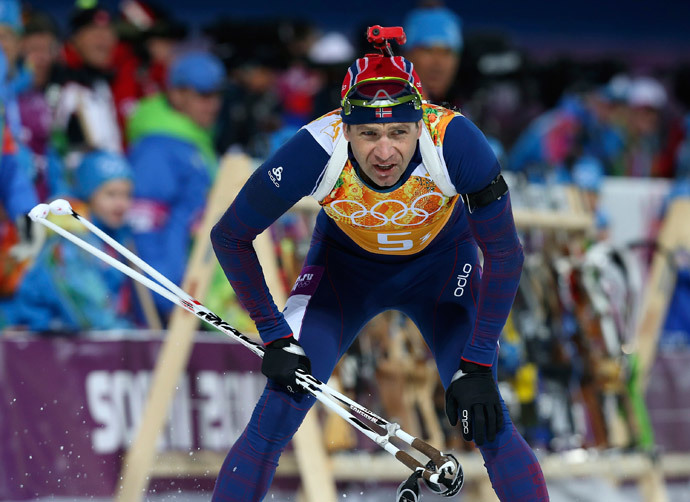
x,y
383,151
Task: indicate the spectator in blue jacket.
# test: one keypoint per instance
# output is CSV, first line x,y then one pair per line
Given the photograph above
x,y
17,77
174,161
17,195
434,45
68,289
20,240
581,126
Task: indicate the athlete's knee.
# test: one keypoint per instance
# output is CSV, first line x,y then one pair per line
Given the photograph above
x,y
278,415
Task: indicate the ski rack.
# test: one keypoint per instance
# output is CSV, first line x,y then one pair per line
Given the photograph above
x,y
375,428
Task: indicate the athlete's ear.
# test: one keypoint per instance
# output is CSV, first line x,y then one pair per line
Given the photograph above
x,y
346,131
420,124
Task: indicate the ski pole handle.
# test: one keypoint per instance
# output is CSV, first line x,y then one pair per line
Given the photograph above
x,y
426,449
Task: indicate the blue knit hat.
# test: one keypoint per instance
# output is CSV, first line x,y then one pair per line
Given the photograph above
x,y
198,70
97,168
432,27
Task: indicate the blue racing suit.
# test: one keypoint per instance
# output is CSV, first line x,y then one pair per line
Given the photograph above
x,y
408,247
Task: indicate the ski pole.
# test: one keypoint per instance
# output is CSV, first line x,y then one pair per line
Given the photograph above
x,y
446,470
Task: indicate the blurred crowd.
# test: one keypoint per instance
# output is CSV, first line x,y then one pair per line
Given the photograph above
x,y
126,114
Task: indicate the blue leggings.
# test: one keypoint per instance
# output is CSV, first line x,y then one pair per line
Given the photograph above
x,y
334,297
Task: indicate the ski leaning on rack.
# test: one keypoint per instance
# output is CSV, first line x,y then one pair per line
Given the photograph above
x,y
442,474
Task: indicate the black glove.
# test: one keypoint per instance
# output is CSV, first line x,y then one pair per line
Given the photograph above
x,y
473,391
282,358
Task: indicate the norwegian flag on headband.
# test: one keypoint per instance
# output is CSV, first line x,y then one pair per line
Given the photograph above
x,y
382,113
377,66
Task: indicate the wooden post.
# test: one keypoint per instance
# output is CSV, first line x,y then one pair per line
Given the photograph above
x,y
653,486
675,233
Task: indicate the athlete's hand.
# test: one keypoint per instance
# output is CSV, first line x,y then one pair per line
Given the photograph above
x,y
473,391
283,357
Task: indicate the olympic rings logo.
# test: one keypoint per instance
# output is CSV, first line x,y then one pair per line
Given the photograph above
x,y
397,218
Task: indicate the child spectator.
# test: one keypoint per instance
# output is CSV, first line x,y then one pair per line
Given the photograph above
x,y
68,289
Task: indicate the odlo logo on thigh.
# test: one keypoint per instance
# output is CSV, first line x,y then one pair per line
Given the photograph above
x,y
462,280
465,422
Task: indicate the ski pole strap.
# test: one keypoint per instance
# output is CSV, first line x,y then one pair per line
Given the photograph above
x,y
493,191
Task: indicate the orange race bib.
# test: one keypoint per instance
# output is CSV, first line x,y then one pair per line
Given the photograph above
x,y
403,221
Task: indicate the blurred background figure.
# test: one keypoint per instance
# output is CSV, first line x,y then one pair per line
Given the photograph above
x,y
434,44
653,136
40,47
17,76
493,88
174,162
68,289
298,82
585,124
20,240
148,41
270,88
329,54
85,116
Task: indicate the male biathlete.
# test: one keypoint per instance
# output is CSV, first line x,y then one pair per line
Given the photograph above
x,y
408,192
